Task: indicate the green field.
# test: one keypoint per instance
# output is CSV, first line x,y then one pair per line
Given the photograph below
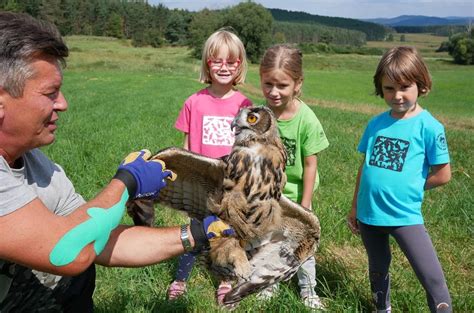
x,y
426,43
122,99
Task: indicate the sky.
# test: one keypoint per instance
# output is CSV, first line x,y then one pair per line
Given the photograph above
x,y
359,9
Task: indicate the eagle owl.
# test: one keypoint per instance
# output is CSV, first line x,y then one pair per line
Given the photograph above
x,y
274,235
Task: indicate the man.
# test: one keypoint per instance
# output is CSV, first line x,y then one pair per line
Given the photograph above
x,y
45,226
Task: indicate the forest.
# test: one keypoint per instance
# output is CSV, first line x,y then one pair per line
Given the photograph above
x,y
156,25
149,25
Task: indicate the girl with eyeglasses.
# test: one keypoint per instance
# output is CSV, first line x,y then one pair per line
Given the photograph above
x,y
205,120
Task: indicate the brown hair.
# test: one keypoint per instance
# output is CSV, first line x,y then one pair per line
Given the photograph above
x,y
286,58
236,50
401,65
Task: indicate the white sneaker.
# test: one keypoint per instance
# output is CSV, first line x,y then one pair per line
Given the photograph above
x,y
387,310
268,293
312,301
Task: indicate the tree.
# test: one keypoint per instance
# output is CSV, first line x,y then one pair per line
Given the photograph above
x,y
402,38
279,37
253,24
177,29
461,47
13,6
50,10
202,25
114,26
389,37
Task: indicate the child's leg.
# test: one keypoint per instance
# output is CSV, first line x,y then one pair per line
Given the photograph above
x,y
178,287
307,275
307,283
418,248
378,251
185,265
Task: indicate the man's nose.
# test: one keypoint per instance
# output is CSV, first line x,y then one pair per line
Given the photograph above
x,y
60,104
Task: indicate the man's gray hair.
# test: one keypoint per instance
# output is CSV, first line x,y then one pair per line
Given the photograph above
x,y
23,38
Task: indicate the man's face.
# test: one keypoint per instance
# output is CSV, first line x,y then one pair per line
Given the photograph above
x,y
30,121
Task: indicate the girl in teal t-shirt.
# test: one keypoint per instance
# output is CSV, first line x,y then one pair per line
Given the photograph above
x,y
405,153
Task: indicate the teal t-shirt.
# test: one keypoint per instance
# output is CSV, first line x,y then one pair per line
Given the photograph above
x,y
398,154
302,136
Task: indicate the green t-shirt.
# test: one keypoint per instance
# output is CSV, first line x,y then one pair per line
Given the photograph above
x,y
302,136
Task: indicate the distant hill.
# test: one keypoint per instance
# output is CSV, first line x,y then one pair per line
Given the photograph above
x,y
420,20
373,31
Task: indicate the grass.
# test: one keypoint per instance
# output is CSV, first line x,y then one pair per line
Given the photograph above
x,y
122,99
425,43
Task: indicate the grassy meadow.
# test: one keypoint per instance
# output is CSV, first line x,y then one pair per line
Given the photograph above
x,y
425,43
122,99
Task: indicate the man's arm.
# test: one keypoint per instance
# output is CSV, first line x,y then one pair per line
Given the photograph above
x,y
134,246
29,234
35,237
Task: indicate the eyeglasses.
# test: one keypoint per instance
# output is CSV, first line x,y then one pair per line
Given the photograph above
x,y
219,63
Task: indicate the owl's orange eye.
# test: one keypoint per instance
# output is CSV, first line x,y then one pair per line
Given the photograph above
x,y
251,118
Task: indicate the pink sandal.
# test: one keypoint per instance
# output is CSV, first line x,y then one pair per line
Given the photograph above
x,y
223,289
176,289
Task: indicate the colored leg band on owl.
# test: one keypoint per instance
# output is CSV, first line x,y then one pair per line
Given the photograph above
x,y
95,230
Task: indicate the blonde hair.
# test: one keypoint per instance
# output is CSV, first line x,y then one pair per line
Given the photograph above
x,y
286,58
401,65
236,50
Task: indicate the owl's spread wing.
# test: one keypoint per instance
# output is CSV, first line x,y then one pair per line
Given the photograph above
x,y
277,256
198,179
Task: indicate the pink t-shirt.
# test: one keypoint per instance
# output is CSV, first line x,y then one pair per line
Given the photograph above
x,y
207,120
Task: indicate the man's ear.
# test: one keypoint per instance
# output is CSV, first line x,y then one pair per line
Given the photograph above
x,y
3,93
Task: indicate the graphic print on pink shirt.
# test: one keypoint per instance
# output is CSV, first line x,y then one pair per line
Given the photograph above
x,y
207,120
216,131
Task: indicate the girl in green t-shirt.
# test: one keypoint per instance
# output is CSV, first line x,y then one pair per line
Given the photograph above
x,y
281,77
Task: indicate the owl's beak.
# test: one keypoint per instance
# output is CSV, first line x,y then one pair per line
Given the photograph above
x,y
233,124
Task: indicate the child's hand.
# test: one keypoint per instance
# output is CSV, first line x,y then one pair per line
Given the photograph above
x,y
352,222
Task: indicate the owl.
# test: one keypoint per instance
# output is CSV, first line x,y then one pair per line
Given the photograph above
x,y
274,235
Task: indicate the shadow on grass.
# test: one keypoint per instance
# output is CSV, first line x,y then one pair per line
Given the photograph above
x,y
338,286
340,289
121,304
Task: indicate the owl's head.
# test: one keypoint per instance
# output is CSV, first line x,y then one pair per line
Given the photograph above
x,y
254,123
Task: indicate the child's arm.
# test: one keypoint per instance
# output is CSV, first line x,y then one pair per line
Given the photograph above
x,y
186,141
309,175
439,175
352,216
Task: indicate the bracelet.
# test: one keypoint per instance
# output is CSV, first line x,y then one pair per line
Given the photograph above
x,y
185,238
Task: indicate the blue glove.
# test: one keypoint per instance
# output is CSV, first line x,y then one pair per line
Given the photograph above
x,y
215,227
209,229
143,177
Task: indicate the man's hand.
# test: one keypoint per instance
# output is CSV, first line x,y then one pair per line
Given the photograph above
x,y
143,177
210,228
215,228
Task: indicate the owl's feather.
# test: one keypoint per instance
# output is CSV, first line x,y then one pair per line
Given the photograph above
x,y
274,234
